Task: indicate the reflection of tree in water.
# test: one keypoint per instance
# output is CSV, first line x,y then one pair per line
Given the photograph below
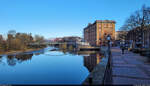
x,y
0,59
13,59
37,54
24,57
64,51
91,61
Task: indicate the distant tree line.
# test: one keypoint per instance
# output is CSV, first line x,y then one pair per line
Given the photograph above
x,y
18,41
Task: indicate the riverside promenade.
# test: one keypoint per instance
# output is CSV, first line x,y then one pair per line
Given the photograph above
x,y
129,68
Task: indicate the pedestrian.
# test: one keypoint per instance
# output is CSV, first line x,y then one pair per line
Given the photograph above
x,y
123,48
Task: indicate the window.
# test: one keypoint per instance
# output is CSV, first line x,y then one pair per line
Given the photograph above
x,y
100,25
110,25
99,29
105,25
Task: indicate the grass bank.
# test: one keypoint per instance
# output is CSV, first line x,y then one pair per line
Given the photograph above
x,y
19,51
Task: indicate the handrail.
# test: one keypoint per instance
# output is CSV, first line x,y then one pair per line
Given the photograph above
x,y
108,72
102,72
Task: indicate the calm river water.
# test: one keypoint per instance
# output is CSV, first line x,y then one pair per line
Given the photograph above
x,y
47,67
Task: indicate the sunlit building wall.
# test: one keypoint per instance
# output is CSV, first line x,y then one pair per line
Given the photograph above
x,y
97,32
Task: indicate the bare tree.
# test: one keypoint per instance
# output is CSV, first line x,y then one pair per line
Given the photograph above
x,y
140,19
38,39
12,32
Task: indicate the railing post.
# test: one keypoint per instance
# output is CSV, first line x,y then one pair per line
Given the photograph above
x,y
108,73
90,80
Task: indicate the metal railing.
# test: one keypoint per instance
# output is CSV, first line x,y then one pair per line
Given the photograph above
x,y
108,72
103,72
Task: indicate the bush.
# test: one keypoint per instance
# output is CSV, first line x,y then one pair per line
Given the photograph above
x,y
136,50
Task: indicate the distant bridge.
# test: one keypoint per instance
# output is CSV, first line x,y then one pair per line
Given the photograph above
x,y
78,45
52,43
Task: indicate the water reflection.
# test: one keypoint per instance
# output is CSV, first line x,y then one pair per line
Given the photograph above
x,y
0,59
69,67
19,58
92,60
39,52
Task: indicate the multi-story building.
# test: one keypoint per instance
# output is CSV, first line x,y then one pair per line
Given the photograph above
x,y
146,37
96,33
138,38
134,37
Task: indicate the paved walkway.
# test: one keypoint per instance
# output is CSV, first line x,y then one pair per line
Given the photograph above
x,y
129,68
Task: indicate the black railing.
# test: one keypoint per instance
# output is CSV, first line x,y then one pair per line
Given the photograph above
x,y
108,72
102,73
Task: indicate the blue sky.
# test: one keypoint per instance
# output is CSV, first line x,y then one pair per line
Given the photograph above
x,y
58,18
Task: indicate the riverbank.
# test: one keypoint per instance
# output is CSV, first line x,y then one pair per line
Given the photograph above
x,y
98,75
19,51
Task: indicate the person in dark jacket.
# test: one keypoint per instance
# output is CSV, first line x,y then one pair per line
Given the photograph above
x,y
123,48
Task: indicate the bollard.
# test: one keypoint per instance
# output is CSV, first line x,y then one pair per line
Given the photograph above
x,y
90,80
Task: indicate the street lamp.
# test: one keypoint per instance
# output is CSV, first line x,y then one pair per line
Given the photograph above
x,y
109,53
100,42
108,39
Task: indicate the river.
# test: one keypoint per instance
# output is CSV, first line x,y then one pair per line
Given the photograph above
x,y
47,67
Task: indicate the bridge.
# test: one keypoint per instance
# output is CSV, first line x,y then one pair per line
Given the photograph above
x,y
51,43
78,45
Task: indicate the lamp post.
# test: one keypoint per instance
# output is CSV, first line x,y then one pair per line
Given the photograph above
x,y
109,58
108,39
100,42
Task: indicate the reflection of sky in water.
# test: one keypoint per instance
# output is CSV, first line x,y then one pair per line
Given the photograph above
x,y
45,68
54,53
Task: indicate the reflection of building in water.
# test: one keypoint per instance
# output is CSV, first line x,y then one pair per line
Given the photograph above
x,y
13,59
91,61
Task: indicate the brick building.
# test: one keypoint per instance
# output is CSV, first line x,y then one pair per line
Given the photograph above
x,y
97,32
138,38
146,38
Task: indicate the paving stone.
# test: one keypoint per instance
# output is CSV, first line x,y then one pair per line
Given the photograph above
x,y
129,81
118,62
124,65
128,71
146,69
117,59
129,68
130,61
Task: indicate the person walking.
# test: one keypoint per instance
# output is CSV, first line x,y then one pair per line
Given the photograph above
x,y
123,48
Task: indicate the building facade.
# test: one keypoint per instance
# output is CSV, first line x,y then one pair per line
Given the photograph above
x,y
96,33
146,37
135,38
